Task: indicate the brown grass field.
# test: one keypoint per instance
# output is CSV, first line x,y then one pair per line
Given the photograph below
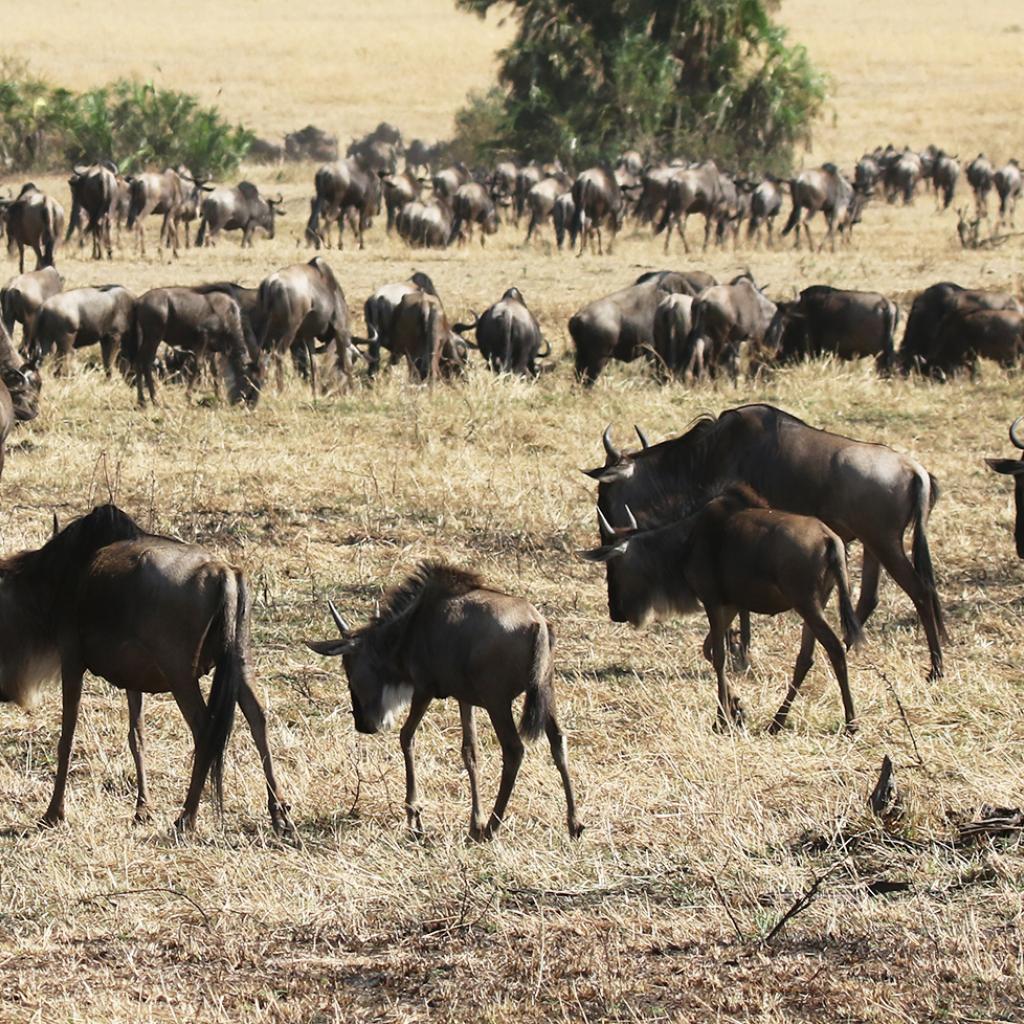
x,y
696,844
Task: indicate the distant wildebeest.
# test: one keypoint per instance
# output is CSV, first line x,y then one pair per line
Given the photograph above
x,y
980,175
82,317
149,615
526,177
901,175
691,190
444,633
472,205
94,198
540,201
421,333
197,321
427,225
379,150
825,190
967,335
423,156
733,554
865,492
563,217
344,191
379,310
724,316
1015,468
945,174
654,186
241,208
1007,181
19,394
866,175
765,206
621,325
848,324
33,219
447,181
23,296
165,194
399,189
509,337
502,184
598,201
673,320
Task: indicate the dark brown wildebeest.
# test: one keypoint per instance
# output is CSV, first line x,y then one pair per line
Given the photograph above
x,y
444,633
423,156
866,174
673,320
22,297
849,324
447,181
621,325
654,185
965,336
563,217
427,225
201,322
826,190
509,337
399,189
526,177
82,317
421,334
865,492
1007,181
736,554
541,199
765,206
901,175
241,208
94,196
344,190
945,174
379,150
379,310
35,220
471,206
1015,468
980,175
691,190
148,614
598,201
724,316
164,194
19,392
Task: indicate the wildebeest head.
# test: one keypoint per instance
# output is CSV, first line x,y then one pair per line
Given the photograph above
x,y
629,584
1015,468
275,209
24,385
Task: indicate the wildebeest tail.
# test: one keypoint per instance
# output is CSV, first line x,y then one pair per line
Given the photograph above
x,y
794,213
925,494
852,634
579,215
539,690
51,233
890,321
131,341
201,234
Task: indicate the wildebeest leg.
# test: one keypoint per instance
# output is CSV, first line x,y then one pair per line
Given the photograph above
x,y
189,699
869,579
135,744
729,711
826,636
739,644
71,690
40,261
804,661
407,738
280,819
902,571
556,740
469,758
62,355
21,257
107,345
511,759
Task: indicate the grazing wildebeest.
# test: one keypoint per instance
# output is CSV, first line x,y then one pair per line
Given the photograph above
x,y
509,337
421,334
19,391
150,615
343,190
1015,468
826,190
399,189
691,190
598,201
673,320
425,224
471,206
865,492
444,633
621,325
849,324
303,304
22,297
379,310
541,202
1007,181
724,316
94,197
201,322
33,219
82,317
945,174
736,554
967,335
980,177
241,208
765,206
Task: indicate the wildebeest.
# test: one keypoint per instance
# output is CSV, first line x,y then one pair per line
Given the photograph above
x,y
241,208
421,333
379,150
849,324
197,321
425,224
563,217
765,206
33,219
620,325
691,190
901,175
150,615
673,320
862,491
1015,468
399,189
735,554
447,181
526,177
423,156
826,190
165,194
19,392
1007,181
344,190
445,633
379,310
22,297
472,205
980,177
541,201
866,174
967,335
94,196
598,201
509,337
82,317
945,174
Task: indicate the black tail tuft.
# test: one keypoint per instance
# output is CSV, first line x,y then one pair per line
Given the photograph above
x,y
921,552
537,706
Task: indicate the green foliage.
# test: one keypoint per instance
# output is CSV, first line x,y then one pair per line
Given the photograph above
x,y
585,80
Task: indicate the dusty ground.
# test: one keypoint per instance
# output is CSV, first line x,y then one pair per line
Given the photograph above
x,y
696,844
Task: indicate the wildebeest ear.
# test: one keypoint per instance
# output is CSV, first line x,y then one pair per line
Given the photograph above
x,y
604,554
1013,467
606,474
331,648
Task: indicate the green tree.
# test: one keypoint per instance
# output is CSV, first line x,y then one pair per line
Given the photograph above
x,y
585,79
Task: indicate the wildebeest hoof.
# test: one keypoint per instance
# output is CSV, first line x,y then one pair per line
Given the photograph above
x,y
575,830
852,728
478,834
776,726
184,825
143,815
51,819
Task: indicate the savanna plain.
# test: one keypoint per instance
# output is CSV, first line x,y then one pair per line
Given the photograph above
x,y
696,844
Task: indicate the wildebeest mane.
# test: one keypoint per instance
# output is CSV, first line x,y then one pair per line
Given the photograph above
x,y
427,578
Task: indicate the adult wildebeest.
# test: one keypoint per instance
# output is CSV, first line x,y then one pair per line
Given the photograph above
x,y
444,633
865,492
82,317
621,325
826,190
22,297
563,217
509,337
201,322
598,201
344,190
421,334
379,310
945,174
724,316
425,224
673,320
849,324
33,219
526,177
94,197
691,190
866,174
423,156
1007,181
447,181
980,176
1015,468
967,335
379,150
765,206
19,393
735,554
471,206
164,194
241,208
541,201
399,189
901,175
148,614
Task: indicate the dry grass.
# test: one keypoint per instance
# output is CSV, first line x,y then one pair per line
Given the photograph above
x,y
696,844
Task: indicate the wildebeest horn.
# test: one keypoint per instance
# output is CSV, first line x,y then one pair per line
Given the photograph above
x,y
606,527
631,519
606,439
642,436
1018,442
56,525
338,620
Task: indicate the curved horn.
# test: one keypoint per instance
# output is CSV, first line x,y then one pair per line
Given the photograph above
x,y
631,519
606,527
606,440
642,436
338,620
1018,441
